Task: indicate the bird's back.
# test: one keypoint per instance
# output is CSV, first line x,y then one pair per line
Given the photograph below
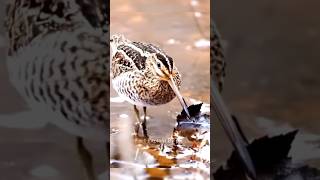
x,y
129,55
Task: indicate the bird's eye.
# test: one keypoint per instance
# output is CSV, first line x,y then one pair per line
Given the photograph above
x,y
159,65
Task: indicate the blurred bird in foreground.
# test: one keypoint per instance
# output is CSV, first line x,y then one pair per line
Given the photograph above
x,y
58,62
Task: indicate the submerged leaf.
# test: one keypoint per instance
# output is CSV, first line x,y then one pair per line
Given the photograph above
x,y
195,127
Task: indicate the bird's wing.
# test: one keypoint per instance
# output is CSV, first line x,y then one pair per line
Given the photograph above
x,y
121,64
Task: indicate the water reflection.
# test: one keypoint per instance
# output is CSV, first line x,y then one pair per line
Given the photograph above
x,y
188,146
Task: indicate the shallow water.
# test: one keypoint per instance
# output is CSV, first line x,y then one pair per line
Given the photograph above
x,y
182,30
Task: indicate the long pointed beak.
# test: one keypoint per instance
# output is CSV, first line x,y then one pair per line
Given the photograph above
x,y
176,91
231,130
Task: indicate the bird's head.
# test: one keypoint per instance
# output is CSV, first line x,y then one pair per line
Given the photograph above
x,y
163,67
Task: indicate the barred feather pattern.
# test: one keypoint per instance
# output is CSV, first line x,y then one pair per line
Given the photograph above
x,y
218,63
133,75
58,58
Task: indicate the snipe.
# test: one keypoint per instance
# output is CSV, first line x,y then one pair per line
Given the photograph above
x,y
143,75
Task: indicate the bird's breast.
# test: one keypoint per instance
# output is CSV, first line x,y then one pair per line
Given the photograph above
x,y
142,90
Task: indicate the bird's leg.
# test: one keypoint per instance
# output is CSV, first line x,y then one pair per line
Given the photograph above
x,y
137,125
86,159
144,123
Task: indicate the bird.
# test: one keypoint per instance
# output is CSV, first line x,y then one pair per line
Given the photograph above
x,y
144,75
220,110
57,60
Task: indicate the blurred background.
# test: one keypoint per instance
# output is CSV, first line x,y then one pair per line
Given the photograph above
x,y
273,80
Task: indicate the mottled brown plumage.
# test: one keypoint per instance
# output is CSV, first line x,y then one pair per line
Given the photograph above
x,y
133,74
144,75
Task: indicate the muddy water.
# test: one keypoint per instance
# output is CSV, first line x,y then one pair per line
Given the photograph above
x,y
182,30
